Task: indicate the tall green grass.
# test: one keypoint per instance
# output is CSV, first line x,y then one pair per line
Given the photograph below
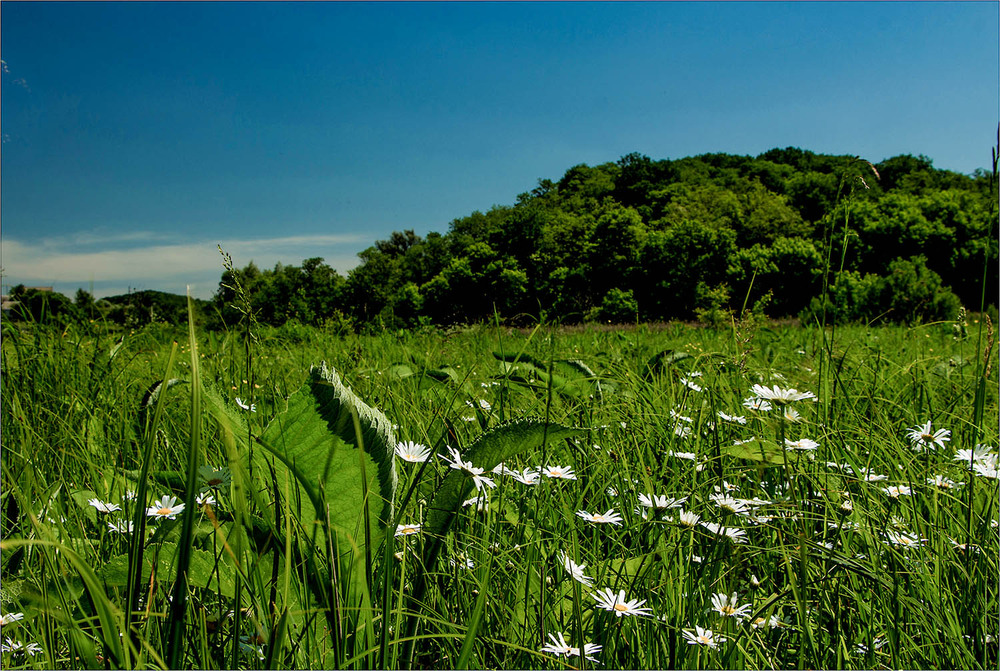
x,y
271,576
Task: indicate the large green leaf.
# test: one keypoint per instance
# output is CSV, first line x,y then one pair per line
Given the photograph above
x,y
764,451
339,453
205,570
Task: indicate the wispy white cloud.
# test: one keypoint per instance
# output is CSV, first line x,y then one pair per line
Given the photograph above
x,y
95,259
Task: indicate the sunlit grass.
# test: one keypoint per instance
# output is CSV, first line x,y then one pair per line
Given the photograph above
x,y
835,529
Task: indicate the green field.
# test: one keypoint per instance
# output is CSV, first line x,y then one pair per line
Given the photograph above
x,y
830,528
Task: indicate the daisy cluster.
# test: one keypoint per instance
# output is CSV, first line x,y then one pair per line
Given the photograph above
x,y
212,481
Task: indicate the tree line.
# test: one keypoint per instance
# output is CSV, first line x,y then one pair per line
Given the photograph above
x,y
699,237
788,233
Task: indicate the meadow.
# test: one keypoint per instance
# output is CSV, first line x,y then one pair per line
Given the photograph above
x,y
762,496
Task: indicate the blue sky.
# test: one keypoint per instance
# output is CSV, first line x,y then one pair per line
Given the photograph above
x,y
139,136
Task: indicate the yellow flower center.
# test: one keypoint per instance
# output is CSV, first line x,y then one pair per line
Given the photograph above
x,y
164,511
620,607
728,610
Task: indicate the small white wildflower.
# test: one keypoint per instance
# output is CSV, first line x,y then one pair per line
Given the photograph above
x,y
703,637
924,438
407,530
895,491
610,517
576,571
413,452
103,507
726,606
252,407
781,396
738,419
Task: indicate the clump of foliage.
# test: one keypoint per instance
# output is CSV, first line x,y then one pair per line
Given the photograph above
x,y
634,240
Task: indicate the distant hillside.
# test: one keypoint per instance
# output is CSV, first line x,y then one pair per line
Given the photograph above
x,y
698,237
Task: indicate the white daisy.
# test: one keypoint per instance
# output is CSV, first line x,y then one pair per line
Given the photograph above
x,y
10,645
8,618
733,534
904,539
738,419
214,478
561,472
610,517
801,444
869,475
682,430
688,519
407,530
978,453
792,415
774,622
703,637
529,476
618,604
413,452
481,503
987,468
576,571
478,479
758,404
461,561
482,404
690,384
559,646
103,507
730,504
923,438
252,407
726,488
965,547
895,491
726,606
660,501
166,508
781,396
121,526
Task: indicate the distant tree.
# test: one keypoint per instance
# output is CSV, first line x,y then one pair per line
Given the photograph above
x,y
767,216
616,242
905,172
673,261
44,307
789,269
84,300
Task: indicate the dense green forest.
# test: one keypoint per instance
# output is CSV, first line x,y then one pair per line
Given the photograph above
x,y
788,233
